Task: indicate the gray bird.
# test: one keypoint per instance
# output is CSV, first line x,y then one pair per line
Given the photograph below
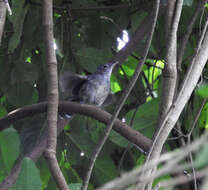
x,y
92,89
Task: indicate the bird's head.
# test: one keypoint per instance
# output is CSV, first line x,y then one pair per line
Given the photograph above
x,y
106,68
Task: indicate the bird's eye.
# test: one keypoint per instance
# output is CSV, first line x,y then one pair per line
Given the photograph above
x,y
105,66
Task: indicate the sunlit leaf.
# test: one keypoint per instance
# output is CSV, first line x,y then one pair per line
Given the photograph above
x,y
203,91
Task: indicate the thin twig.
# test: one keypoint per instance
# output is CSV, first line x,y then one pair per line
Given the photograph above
x,y
121,101
184,41
189,140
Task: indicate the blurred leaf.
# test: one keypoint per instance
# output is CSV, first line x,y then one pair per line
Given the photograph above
x,y
9,146
104,169
115,87
80,136
44,172
203,120
17,18
5,75
85,133
137,19
3,111
91,58
25,72
129,66
31,131
29,177
118,139
22,94
188,2
203,91
201,158
75,186
145,121
145,117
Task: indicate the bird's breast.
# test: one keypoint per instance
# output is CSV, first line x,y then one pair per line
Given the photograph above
x,y
95,91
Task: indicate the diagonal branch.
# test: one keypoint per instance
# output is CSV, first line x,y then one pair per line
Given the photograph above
x,y
185,92
75,108
68,107
122,99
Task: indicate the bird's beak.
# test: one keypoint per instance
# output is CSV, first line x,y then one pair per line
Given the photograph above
x,y
115,63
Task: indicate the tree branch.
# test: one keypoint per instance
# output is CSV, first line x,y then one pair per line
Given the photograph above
x,y
188,86
2,18
122,99
66,107
53,96
169,76
75,108
181,49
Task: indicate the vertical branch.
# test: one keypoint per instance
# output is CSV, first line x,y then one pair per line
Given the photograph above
x,y
52,95
169,17
170,71
183,96
169,79
2,17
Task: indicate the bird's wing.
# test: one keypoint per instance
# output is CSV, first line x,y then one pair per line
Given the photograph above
x,y
70,82
109,100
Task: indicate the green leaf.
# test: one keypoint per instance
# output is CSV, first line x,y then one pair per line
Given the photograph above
x,y
118,139
80,136
201,158
75,186
3,111
203,91
24,72
145,121
188,2
90,58
9,146
22,94
203,120
105,169
29,177
146,116
17,18
115,87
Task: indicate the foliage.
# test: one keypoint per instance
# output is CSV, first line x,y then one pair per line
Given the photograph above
x,y
85,39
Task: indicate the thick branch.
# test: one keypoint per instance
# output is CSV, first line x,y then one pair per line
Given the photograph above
x,y
169,74
68,107
169,78
189,84
75,108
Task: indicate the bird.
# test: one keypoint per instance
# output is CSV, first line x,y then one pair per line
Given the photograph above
x,y
93,89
